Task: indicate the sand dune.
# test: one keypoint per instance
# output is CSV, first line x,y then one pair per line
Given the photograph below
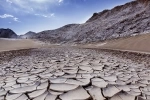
x,y
16,44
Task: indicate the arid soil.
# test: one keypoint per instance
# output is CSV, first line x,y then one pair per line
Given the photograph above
x,y
16,44
67,73
138,43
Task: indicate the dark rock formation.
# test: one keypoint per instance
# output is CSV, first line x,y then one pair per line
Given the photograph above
x,y
7,33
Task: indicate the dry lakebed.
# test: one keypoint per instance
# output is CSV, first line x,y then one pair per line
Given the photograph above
x,y
70,73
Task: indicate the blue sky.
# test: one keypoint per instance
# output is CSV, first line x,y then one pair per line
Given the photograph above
x,y
37,15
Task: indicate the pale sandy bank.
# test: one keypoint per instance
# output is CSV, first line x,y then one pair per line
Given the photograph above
x,y
140,43
17,44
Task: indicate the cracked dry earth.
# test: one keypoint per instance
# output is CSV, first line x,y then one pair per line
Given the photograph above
x,y
72,74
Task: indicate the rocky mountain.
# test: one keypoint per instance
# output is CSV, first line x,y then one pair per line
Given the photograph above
x,y
29,34
62,34
7,33
125,20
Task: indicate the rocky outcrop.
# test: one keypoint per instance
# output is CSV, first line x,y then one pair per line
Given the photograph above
x,y
132,18
62,34
7,33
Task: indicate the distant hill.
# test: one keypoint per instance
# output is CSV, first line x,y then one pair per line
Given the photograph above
x,y
132,18
29,34
7,33
62,34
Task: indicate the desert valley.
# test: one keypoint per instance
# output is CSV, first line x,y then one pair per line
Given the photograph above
x,y
105,58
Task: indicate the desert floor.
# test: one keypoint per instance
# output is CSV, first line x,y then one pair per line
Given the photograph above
x,y
140,43
71,73
16,44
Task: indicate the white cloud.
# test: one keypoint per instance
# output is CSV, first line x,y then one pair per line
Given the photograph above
x,y
52,14
16,19
8,1
46,16
6,16
26,1
60,1
29,6
34,7
9,16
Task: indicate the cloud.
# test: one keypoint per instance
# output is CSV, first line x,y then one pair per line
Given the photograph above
x,y
16,19
8,1
29,6
46,16
40,8
9,16
60,1
52,14
6,16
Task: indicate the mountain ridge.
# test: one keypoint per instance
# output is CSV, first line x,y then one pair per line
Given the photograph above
x,y
125,20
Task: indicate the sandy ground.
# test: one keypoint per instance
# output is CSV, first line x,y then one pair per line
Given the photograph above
x,y
139,43
133,44
16,44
